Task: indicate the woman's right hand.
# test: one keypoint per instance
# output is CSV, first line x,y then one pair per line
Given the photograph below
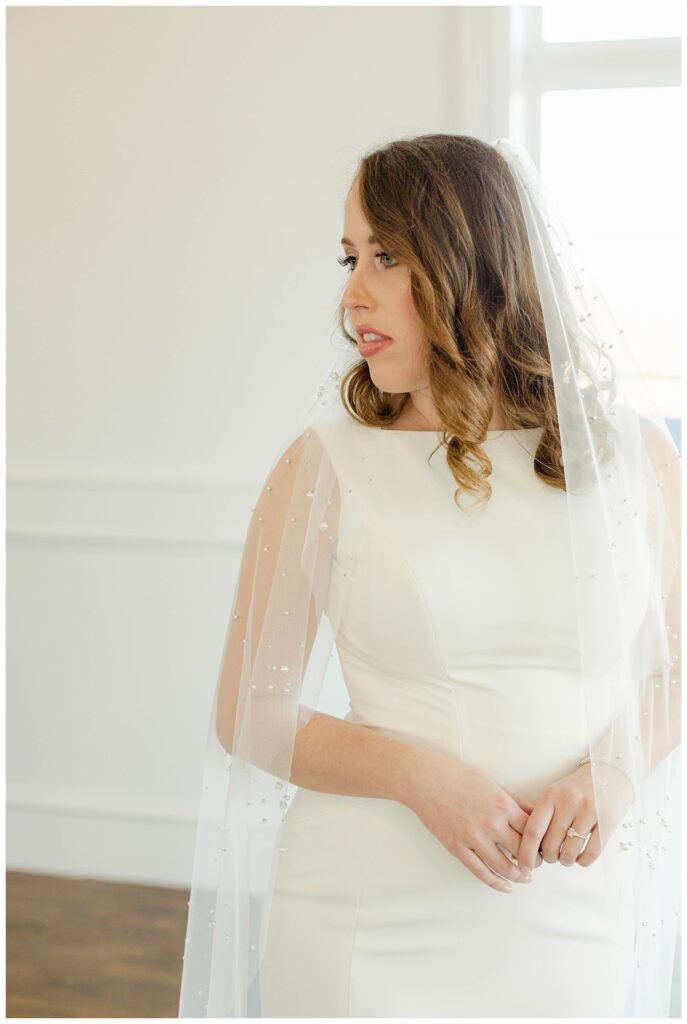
x,y
470,813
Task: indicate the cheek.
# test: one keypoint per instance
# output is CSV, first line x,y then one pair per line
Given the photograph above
x,y
417,333
410,313
405,292
412,330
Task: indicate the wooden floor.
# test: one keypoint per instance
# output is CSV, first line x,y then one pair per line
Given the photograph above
x,y
83,948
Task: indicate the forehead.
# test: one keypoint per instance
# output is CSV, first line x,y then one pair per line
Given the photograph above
x,y
355,225
352,207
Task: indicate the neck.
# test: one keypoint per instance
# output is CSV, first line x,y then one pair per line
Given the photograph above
x,y
418,413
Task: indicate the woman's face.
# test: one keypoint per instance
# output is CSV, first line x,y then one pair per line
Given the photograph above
x,y
378,296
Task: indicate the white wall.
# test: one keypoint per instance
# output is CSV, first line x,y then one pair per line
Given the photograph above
x,y
176,179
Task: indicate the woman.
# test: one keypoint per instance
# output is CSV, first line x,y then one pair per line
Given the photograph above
x,y
435,523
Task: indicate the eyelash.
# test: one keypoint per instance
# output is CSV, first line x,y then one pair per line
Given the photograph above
x,y
344,261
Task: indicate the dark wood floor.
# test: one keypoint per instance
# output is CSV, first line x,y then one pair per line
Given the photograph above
x,y
83,948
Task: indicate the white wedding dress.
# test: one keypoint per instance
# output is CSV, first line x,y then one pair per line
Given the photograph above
x,y
459,635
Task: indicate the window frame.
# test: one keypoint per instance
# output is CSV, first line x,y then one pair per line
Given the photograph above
x,y
538,66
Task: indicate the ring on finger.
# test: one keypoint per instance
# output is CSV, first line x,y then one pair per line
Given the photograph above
x,y
572,833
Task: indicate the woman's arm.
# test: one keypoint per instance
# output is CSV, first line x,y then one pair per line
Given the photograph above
x,y
332,755
467,810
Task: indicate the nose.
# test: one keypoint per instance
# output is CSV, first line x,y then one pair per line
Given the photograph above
x,y
357,291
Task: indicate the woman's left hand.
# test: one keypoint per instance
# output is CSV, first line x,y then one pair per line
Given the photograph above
x,y
571,802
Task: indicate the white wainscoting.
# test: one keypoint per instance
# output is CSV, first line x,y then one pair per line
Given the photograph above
x,y
118,597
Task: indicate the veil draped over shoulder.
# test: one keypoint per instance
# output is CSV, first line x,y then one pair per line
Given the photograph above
x,y
306,538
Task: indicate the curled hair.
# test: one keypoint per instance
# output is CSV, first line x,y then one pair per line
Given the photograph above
x,y
447,207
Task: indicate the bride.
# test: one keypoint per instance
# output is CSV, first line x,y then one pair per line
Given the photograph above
x,y
455,637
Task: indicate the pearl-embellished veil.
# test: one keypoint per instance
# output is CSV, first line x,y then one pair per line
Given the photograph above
x,y
623,498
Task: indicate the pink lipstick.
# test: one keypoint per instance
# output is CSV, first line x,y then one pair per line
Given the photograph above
x,y
369,348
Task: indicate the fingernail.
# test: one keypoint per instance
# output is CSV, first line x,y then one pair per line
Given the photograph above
x,y
526,873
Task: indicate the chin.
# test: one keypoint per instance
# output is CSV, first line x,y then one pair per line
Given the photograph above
x,y
387,389
389,383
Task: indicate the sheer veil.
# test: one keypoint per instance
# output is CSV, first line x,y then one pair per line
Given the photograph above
x,y
305,540
623,499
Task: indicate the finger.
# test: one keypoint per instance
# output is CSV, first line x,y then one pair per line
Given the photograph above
x,y
555,835
494,858
534,831
511,839
480,870
519,819
572,845
509,847
511,844
591,851
556,842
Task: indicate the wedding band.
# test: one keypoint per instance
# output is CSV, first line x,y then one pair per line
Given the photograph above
x,y
571,832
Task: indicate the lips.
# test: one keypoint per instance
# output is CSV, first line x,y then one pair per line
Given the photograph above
x,y
369,348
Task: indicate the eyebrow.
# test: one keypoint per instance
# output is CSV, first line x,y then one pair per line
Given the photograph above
x,y
347,241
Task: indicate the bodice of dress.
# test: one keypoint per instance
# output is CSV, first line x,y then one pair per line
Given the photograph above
x,y
459,628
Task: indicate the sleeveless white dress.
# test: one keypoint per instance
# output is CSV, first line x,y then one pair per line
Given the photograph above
x,y
460,635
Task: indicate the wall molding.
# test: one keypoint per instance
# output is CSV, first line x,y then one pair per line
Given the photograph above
x,y
150,513
26,799
77,838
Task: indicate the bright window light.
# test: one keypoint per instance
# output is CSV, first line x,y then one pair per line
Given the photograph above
x,y
611,158
576,24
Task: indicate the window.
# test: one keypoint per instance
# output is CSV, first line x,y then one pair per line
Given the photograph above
x,y
596,101
576,24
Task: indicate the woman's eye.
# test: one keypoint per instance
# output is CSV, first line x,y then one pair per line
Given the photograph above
x,y
345,261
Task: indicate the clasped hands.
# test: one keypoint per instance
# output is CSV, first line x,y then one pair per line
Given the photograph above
x,y
571,802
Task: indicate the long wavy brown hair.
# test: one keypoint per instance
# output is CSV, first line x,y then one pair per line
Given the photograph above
x,y
447,206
